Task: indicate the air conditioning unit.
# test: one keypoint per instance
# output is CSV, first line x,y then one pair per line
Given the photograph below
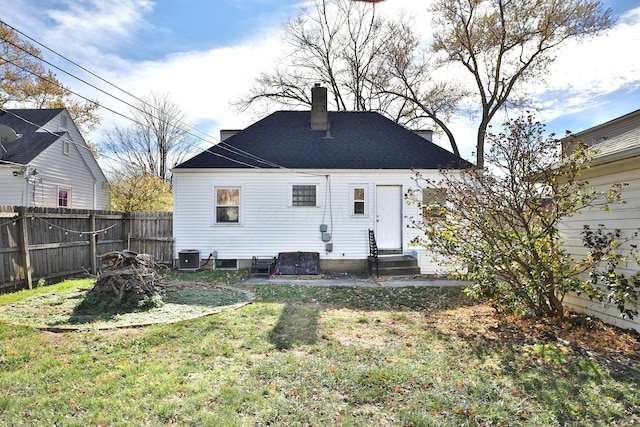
x,y
189,260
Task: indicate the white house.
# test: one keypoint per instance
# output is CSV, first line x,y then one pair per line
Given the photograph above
x,y
45,162
617,144
300,181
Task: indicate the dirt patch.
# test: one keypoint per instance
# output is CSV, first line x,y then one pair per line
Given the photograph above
x,y
618,348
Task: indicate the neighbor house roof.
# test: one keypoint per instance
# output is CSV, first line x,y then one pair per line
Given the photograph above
x,y
613,140
26,123
355,140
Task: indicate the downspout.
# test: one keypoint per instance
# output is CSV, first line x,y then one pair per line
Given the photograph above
x,y
25,190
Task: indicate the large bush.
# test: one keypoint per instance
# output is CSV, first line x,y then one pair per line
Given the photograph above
x,y
499,226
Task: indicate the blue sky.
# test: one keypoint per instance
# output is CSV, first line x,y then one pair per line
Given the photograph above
x,y
205,53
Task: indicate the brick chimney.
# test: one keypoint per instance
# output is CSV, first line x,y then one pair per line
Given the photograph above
x,y
319,115
228,133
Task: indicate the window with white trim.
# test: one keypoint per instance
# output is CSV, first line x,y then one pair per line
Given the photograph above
x,y
66,147
64,197
227,208
303,195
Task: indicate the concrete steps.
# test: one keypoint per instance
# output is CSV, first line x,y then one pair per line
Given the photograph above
x,y
397,265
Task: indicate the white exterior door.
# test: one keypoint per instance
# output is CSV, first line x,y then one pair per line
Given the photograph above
x,y
389,216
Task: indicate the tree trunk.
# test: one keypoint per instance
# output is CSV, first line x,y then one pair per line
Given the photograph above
x,y
555,304
482,132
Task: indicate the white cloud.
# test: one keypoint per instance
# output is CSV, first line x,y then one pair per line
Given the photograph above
x,y
202,83
95,33
97,23
83,30
596,67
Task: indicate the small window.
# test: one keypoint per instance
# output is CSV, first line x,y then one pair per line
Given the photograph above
x,y
359,203
542,204
228,205
433,200
63,121
66,147
64,197
226,264
303,195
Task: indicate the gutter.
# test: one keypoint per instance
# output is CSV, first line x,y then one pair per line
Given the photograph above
x,y
616,156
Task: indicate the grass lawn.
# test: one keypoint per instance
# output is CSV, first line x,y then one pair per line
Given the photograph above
x,y
321,356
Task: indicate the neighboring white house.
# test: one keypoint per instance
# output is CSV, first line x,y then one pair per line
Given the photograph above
x,y
45,162
617,144
276,185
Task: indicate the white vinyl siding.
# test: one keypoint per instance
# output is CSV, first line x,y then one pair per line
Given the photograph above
x,y
80,169
57,170
268,222
12,187
620,216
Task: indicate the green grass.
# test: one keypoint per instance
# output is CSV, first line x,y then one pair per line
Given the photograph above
x,y
310,356
67,285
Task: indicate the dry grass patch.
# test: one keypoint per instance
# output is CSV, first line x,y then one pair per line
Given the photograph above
x,y
67,311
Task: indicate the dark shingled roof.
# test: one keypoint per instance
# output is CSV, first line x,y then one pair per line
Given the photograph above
x,y
31,143
359,140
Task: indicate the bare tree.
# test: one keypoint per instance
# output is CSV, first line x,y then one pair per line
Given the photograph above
x,y
505,43
407,74
158,140
343,45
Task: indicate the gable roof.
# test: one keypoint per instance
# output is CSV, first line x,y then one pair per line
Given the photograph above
x,y
26,122
614,140
358,140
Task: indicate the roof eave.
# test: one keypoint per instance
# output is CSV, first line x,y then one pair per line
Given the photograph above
x,y
616,156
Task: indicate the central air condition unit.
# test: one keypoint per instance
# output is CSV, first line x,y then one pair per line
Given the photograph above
x,y
189,260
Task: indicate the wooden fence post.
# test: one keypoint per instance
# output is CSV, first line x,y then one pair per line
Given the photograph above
x,y
92,243
24,247
127,229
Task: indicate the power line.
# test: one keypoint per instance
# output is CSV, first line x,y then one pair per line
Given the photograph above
x,y
221,144
239,151
75,143
225,146
215,141
74,63
142,101
123,115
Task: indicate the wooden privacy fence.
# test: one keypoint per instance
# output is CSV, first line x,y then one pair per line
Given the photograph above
x,y
151,233
51,244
